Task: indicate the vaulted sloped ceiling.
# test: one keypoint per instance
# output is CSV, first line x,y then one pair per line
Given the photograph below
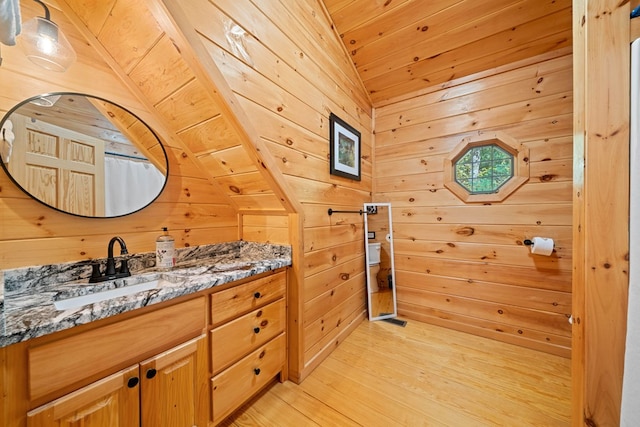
x,y
398,47
401,46
163,71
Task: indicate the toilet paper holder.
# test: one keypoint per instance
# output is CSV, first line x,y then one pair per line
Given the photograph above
x,y
528,242
540,245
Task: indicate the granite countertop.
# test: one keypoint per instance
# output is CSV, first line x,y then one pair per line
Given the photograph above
x,y
28,294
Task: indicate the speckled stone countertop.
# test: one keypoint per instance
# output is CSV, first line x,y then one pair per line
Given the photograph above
x,y
27,295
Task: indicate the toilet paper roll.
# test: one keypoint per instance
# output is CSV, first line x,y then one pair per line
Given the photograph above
x,y
542,246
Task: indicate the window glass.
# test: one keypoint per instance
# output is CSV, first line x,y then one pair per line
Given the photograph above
x,y
483,169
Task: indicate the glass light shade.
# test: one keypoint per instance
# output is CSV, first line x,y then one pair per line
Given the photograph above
x,y
45,45
45,101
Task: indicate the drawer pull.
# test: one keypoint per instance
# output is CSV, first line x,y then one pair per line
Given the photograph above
x,y
257,295
151,373
256,330
257,371
132,382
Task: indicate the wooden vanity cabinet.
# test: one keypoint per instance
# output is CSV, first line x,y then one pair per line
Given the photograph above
x,y
162,390
152,367
248,341
188,363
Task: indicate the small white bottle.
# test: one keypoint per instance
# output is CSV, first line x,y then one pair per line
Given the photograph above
x,y
165,251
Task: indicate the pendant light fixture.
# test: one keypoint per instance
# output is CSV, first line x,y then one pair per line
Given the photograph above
x,y
45,44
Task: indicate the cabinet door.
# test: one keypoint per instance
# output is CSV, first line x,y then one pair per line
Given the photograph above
x,y
110,402
174,387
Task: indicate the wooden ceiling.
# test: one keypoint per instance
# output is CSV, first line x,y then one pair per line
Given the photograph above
x,y
402,46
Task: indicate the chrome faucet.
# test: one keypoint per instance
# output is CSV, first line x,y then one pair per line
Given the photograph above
x,y
110,272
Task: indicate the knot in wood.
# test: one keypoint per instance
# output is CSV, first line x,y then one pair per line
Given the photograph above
x,y
466,231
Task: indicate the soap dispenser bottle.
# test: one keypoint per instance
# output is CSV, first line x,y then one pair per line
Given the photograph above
x,y
165,250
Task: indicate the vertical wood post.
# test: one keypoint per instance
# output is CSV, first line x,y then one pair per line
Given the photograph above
x,y
295,301
601,208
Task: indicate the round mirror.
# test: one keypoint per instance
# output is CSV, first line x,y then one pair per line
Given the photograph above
x,y
82,155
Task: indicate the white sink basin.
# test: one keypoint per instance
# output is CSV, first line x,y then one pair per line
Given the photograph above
x,y
77,302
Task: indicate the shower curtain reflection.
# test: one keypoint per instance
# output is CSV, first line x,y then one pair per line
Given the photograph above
x,y
120,175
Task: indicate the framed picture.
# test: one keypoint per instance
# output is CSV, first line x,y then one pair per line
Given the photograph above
x,y
344,149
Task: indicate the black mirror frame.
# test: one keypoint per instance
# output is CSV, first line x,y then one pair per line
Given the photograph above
x,y
28,100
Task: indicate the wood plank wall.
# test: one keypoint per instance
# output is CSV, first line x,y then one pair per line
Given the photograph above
x,y
601,209
32,234
464,265
289,71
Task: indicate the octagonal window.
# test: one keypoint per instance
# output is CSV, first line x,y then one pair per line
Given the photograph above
x,y
484,169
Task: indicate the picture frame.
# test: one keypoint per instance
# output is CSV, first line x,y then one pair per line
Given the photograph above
x,y
344,149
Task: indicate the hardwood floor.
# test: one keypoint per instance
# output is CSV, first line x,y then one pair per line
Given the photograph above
x,y
382,302
420,375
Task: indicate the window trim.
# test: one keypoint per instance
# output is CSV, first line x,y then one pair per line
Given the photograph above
x,y
520,166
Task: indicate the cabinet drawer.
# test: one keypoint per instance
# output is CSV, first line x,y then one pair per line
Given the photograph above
x,y
70,360
234,386
240,299
235,339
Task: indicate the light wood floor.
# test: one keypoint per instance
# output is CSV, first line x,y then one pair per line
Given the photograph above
x,y
382,302
420,375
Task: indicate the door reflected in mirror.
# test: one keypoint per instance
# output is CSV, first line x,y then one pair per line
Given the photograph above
x,y
380,268
82,155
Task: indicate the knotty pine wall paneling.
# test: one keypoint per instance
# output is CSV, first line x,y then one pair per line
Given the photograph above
x,y
399,45
601,210
289,71
166,68
464,265
33,234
